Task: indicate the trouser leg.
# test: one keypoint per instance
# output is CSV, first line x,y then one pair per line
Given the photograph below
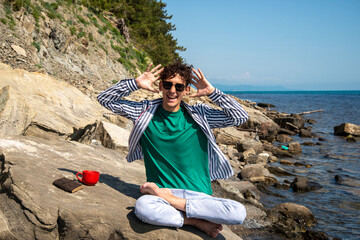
x,y
216,210
155,210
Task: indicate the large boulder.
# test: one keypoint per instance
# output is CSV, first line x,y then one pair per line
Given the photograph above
x,y
32,208
241,139
302,184
347,129
297,212
30,102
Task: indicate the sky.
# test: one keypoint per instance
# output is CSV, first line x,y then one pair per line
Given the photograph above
x,y
299,45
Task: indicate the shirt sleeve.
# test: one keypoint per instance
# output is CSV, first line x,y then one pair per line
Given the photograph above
x,y
111,99
232,113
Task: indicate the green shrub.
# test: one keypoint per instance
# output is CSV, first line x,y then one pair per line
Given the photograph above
x,y
91,38
114,81
69,23
3,20
81,34
82,20
72,30
36,45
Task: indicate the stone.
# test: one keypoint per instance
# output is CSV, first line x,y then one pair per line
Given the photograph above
x,y
256,173
283,138
243,140
296,212
350,139
295,148
310,121
347,129
308,144
286,162
19,50
302,184
265,105
278,171
104,211
39,100
294,119
286,131
305,133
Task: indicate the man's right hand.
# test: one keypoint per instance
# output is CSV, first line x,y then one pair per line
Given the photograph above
x,y
146,79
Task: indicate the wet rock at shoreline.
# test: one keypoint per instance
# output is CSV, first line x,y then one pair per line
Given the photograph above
x,y
347,129
295,148
302,184
305,133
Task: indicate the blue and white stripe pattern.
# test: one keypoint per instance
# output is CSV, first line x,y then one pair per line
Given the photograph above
x,y
232,114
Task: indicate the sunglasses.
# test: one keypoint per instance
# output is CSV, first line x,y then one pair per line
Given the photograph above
x,y
178,86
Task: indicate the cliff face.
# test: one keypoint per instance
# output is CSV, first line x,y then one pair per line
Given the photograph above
x,y
75,45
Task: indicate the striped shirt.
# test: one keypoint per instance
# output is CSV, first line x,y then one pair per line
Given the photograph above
x,y
232,114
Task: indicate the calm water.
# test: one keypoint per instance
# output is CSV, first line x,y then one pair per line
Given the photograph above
x,y
336,207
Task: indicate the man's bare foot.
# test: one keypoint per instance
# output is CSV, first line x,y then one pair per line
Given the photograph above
x,y
211,229
153,189
164,193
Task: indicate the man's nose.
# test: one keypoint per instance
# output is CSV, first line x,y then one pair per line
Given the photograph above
x,y
173,89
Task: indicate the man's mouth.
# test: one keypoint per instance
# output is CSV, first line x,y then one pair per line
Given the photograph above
x,y
172,97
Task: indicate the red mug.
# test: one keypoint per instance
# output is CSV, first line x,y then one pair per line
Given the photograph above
x,y
89,177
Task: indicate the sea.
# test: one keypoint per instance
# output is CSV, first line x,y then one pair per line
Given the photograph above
x,y
336,206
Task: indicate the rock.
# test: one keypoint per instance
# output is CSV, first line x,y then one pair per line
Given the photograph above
x,y
302,184
305,133
299,213
257,159
295,148
346,180
276,151
34,100
286,131
350,139
278,171
347,129
243,140
265,105
294,119
286,162
310,121
248,153
273,159
104,211
308,144
283,138
256,173
110,135
19,50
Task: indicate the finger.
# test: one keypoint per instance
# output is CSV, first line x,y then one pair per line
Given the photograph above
x,y
155,68
158,72
153,90
201,74
148,68
197,74
194,77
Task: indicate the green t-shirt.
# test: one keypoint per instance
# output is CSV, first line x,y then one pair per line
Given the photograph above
x,y
175,152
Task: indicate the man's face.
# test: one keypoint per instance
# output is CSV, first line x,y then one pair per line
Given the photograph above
x,y
172,97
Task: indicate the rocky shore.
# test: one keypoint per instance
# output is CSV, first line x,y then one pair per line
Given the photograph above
x,y
51,126
49,129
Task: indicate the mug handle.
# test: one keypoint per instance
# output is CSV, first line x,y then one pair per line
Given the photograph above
x,y
78,177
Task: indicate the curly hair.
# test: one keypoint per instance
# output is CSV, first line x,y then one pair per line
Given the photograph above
x,y
177,67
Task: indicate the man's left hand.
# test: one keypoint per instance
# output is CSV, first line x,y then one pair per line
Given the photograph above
x,y
204,88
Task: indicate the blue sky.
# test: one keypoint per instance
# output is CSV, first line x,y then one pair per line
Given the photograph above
x,y
301,45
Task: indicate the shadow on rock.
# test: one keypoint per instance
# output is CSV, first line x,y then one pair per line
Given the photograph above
x,y
128,189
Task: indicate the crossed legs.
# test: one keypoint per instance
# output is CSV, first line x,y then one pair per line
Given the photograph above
x,y
175,208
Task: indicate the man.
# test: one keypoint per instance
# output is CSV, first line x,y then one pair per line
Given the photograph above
x,y
179,150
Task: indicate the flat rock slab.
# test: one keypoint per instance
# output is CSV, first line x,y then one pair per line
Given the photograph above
x,y
33,208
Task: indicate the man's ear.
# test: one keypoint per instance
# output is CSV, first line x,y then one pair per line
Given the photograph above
x,y
160,85
187,89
